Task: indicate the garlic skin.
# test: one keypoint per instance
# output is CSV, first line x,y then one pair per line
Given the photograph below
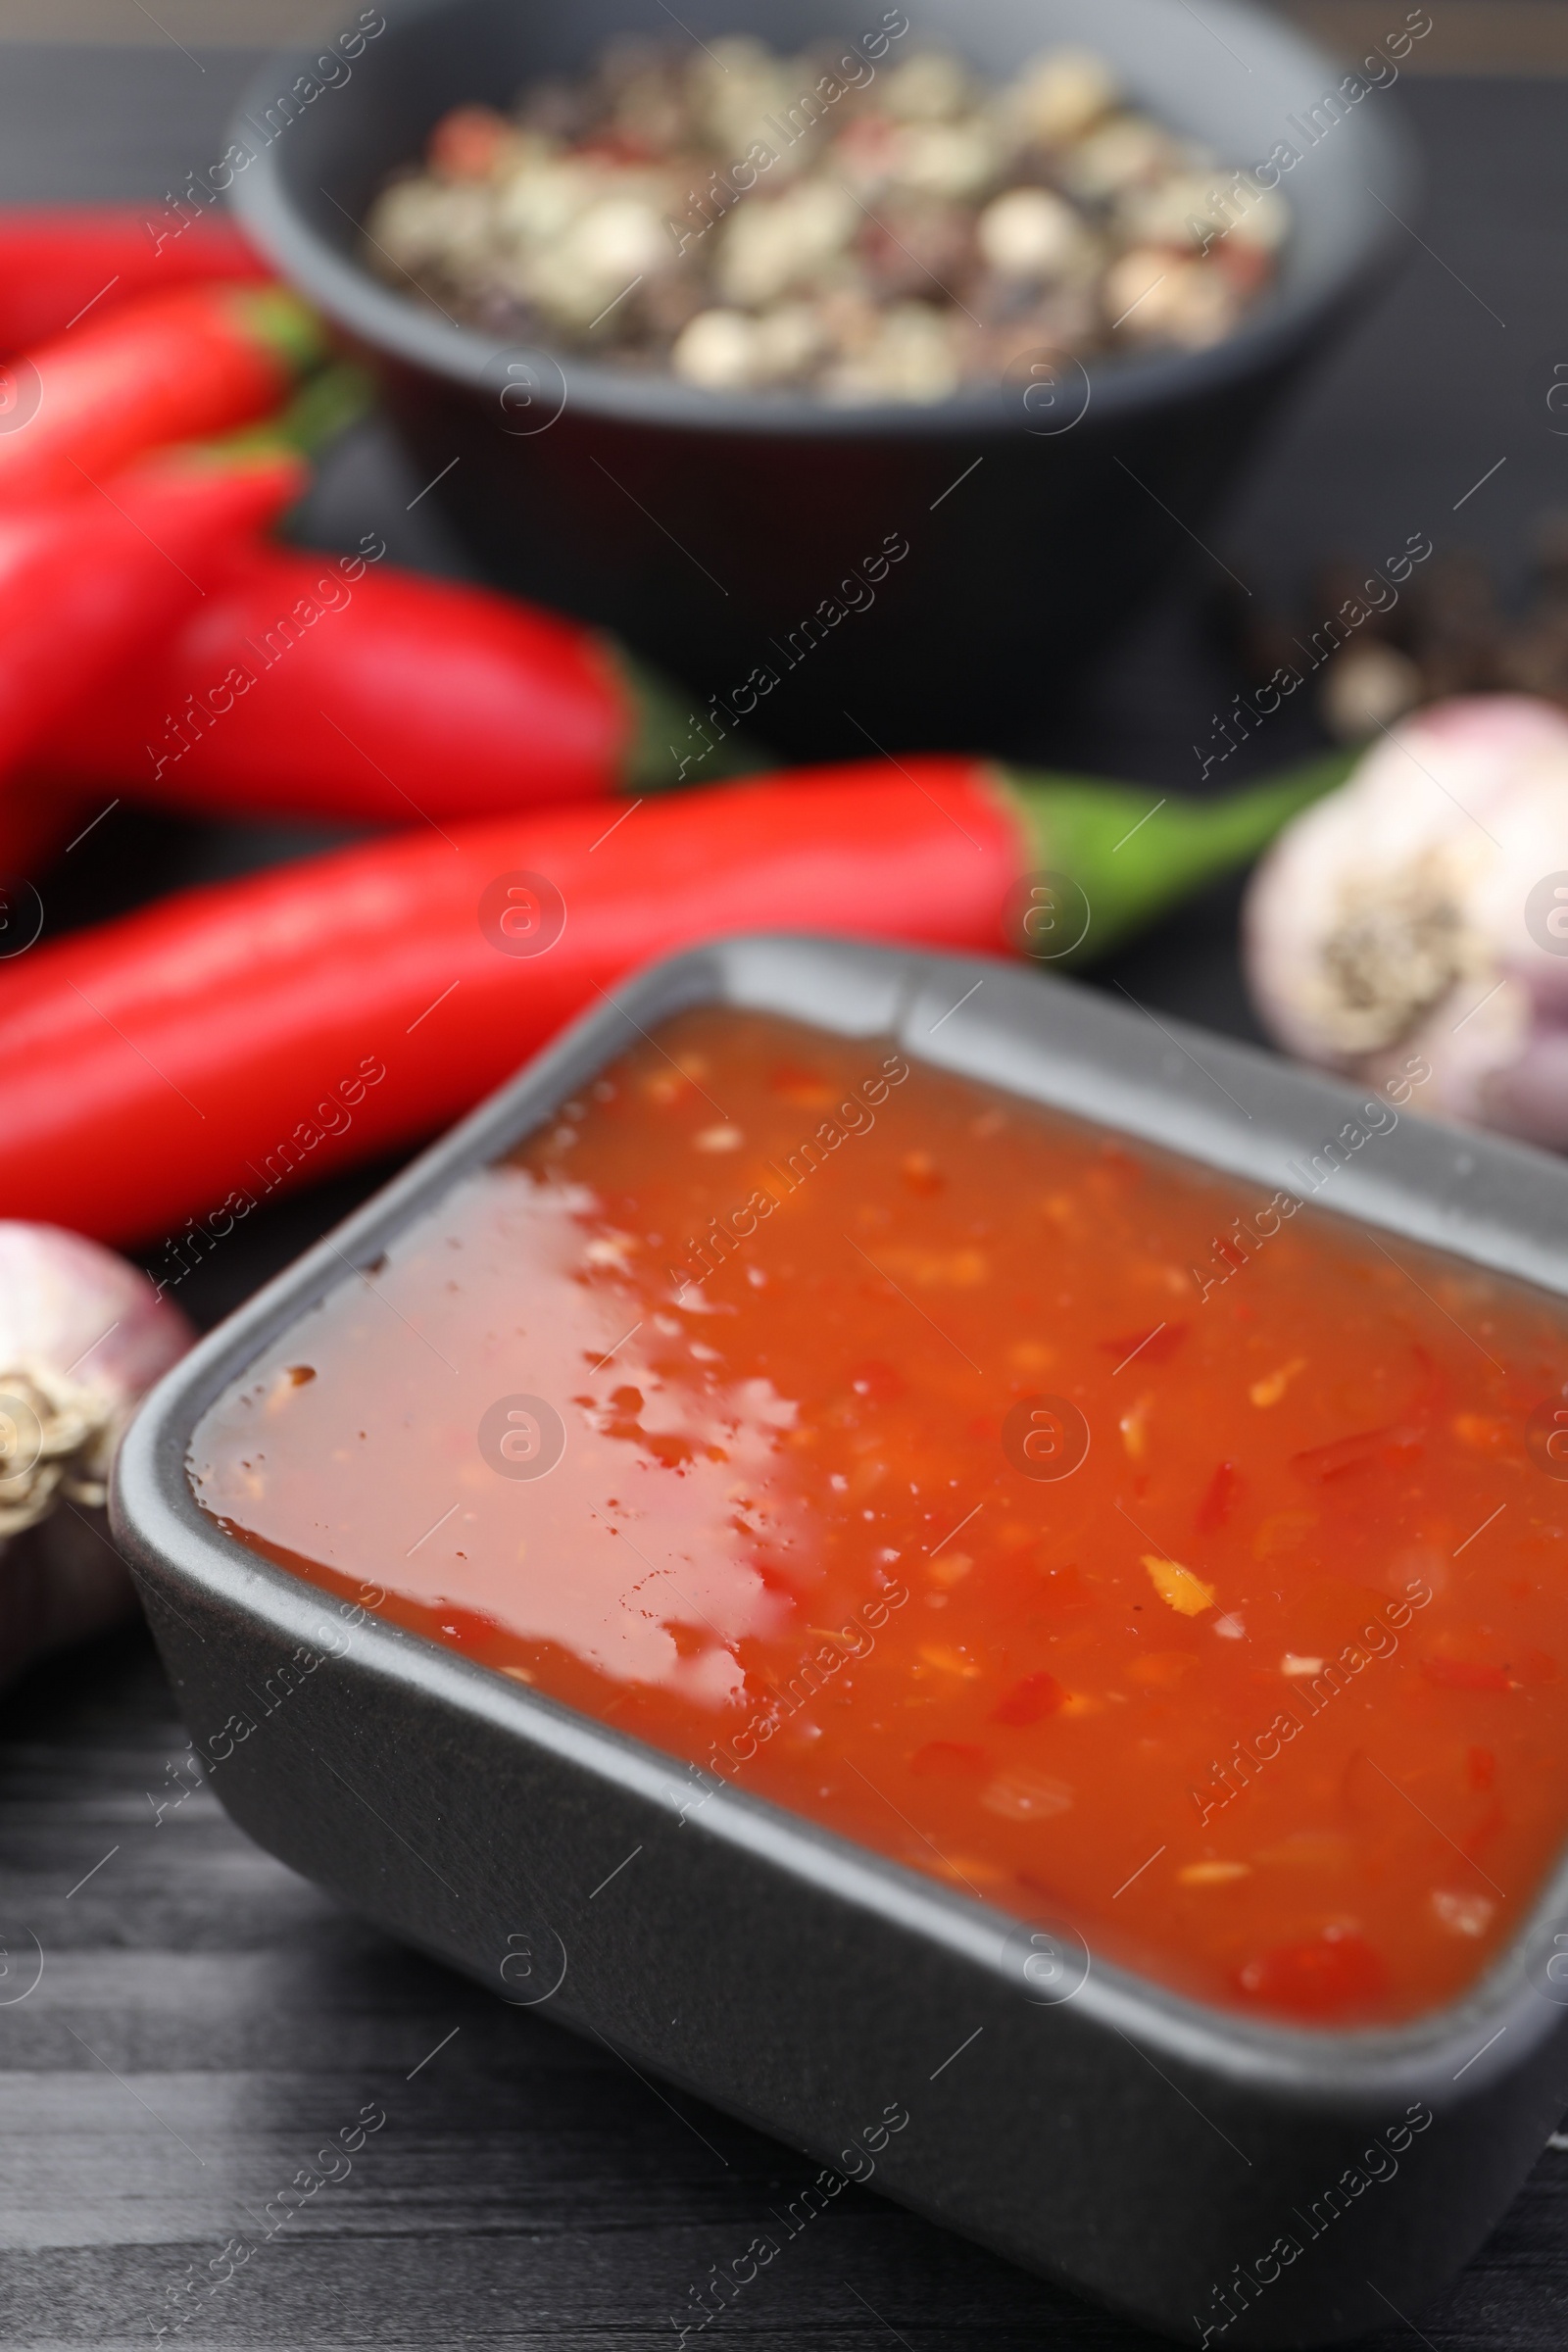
x,y
1389,920
82,1337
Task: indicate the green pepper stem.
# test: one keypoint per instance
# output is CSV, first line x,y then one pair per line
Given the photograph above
x,y
669,745
1134,852
319,412
284,324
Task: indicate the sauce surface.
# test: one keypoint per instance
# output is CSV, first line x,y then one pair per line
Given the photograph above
x,y
912,1456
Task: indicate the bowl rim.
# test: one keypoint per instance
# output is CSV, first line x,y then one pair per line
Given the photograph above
x,y
165,1534
403,328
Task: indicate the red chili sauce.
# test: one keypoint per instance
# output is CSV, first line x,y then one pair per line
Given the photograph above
x,y
1263,1692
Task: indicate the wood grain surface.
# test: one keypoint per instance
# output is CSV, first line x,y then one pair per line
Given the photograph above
x,y
184,2024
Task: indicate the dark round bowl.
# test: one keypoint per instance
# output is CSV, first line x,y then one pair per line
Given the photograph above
x,y
739,538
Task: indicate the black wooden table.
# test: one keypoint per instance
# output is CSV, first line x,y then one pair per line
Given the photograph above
x,y
183,2023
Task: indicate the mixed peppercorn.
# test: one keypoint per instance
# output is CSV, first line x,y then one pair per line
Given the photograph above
x,y
856,222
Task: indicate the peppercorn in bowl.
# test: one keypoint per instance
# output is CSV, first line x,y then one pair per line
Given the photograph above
x,y
1018,288
868,219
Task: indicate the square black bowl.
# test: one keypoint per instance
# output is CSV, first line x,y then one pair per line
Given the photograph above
x,y
1201,2172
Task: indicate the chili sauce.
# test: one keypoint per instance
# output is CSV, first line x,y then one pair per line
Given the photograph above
x,y
1093,1533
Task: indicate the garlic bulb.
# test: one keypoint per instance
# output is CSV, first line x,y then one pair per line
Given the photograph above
x,y
1422,910
82,1336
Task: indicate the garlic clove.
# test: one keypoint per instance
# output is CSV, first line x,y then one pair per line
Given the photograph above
x,y
1454,1055
82,1336
1528,1098
1407,885
1471,746
78,1307
1418,918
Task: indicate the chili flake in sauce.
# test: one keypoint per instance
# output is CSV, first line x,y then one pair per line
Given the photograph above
x,y
864,1434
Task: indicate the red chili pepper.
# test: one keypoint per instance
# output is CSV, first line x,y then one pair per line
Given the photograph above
x,y
181,1055
62,263
174,366
374,697
89,582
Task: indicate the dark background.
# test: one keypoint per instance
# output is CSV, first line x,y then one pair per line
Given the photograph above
x,y
204,2019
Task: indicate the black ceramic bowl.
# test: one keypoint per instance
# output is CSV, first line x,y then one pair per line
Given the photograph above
x,y
707,527
1135,2145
